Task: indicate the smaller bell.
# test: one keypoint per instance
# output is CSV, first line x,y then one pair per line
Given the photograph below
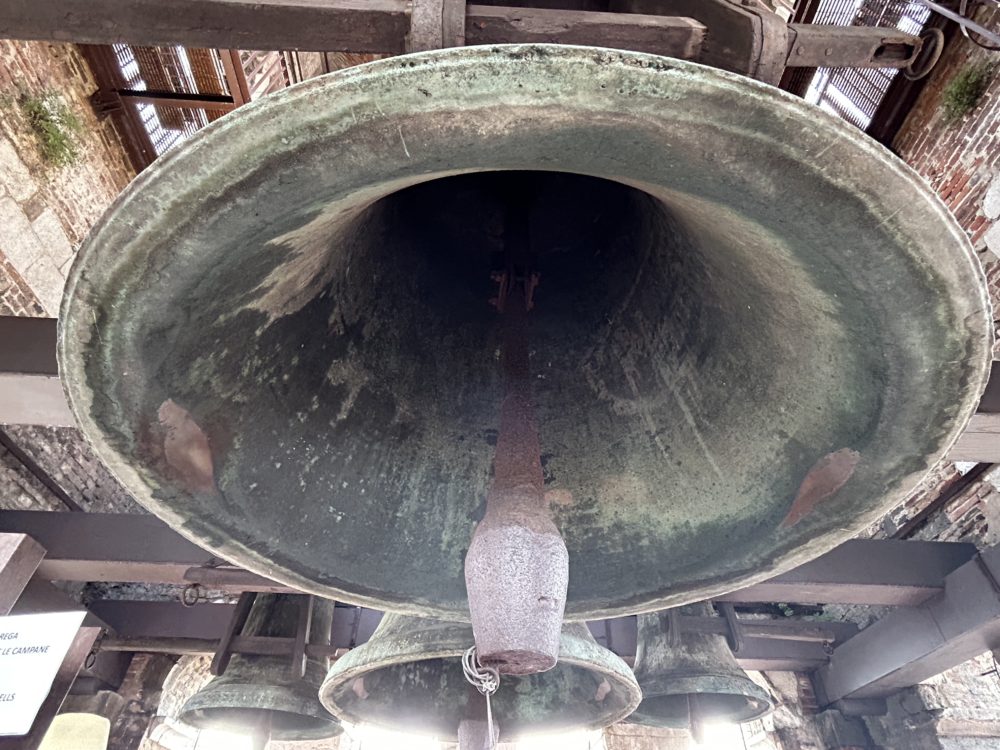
x,y
409,678
260,694
691,679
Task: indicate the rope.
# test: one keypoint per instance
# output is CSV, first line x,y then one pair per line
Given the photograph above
x,y
484,679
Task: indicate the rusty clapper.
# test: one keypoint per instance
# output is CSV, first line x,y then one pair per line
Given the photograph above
x,y
755,332
517,567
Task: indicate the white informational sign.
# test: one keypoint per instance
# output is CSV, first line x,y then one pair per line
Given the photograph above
x,y
31,649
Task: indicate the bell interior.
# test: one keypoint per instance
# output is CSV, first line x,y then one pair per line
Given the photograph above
x,y
284,725
281,338
431,697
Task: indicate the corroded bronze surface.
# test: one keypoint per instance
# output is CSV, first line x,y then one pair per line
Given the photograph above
x,y
693,682
260,694
755,332
408,677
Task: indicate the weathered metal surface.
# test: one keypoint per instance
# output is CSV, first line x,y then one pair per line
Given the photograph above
x,y
264,691
278,337
693,682
409,676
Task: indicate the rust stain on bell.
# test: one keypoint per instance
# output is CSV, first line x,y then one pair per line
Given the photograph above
x,y
823,480
186,448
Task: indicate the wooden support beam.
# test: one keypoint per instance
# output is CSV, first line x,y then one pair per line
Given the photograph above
x,y
910,645
863,571
30,390
215,102
333,25
20,556
360,26
671,36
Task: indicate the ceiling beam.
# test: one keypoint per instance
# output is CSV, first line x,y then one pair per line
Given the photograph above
x,y
910,645
124,547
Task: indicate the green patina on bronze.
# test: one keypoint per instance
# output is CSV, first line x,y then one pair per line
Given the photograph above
x,y
408,677
755,331
261,692
693,682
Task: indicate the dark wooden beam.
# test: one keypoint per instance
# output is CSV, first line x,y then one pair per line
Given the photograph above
x,y
863,571
131,547
333,25
910,645
670,36
30,390
20,556
360,26
215,102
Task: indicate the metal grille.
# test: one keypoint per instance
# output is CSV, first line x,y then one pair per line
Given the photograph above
x,y
177,70
855,93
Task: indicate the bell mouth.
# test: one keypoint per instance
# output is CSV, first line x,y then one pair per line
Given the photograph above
x,y
678,711
409,677
280,339
286,726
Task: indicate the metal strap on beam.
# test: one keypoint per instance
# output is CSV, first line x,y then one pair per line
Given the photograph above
x,y
910,645
816,45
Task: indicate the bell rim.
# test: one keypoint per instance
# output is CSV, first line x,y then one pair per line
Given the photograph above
x,y
758,702
225,699
456,641
74,311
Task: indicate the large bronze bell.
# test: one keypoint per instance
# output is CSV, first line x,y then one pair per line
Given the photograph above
x,y
691,679
754,332
409,677
263,694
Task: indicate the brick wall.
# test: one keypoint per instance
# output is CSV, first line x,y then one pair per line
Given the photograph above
x,y
45,211
961,161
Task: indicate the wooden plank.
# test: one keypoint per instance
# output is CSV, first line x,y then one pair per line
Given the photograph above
x,y
910,645
132,547
980,442
20,556
671,36
864,571
236,77
213,102
333,25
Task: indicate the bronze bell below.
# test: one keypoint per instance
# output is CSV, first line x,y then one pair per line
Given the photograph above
x,y
691,678
409,677
260,694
